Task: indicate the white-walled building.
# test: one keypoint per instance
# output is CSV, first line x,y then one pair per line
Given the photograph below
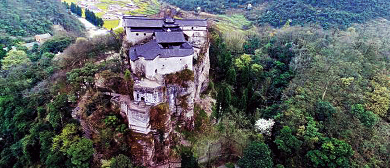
x,y
161,46
167,53
139,28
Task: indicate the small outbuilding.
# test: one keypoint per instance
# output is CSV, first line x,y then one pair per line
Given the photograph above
x,y
41,38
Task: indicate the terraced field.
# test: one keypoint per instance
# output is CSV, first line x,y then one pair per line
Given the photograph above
x,y
111,10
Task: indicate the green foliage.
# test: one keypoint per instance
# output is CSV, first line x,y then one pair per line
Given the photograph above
x,y
333,153
379,98
180,78
231,76
56,44
91,17
14,58
252,44
367,118
220,58
229,165
57,111
218,6
324,110
287,142
312,134
223,101
187,158
257,154
328,14
243,61
28,18
83,76
68,137
81,152
83,49
76,9
121,161
111,121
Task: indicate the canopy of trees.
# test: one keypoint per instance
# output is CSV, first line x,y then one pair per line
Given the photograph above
x,y
28,18
213,6
327,91
327,13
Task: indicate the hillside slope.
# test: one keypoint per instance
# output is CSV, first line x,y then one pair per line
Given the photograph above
x,y
327,13
30,17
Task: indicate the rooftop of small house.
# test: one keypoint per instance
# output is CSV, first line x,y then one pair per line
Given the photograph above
x,y
43,36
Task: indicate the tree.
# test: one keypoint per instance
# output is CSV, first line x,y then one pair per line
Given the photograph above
x,y
243,61
312,135
324,110
56,44
287,142
367,118
14,58
81,153
83,76
257,154
231,76
121,161
68,137
333,153
379,98
130,83
187,159
251,44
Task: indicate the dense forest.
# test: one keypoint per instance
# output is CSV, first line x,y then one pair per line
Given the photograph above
x,y
28,18
320,98
327,13
216,6
36,101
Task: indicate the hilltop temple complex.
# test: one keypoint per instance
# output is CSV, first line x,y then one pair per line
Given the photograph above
x,y
160,47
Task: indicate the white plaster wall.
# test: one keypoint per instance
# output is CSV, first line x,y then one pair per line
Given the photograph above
x,y
162,65
138,66
150,98
197,37
189,28
132,37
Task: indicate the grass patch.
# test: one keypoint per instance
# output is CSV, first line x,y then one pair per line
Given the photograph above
x,y
110,24
100,14
232,22
102,6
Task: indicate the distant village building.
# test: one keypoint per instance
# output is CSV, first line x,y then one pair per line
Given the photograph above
x,y
41,38
110,17
94,9
249,7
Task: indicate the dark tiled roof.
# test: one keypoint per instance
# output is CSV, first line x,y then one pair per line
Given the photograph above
x,y
170,37
153,49
143,22
191,22
140,21
147,29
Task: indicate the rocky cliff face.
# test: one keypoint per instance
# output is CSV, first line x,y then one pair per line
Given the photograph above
x,y
154,124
